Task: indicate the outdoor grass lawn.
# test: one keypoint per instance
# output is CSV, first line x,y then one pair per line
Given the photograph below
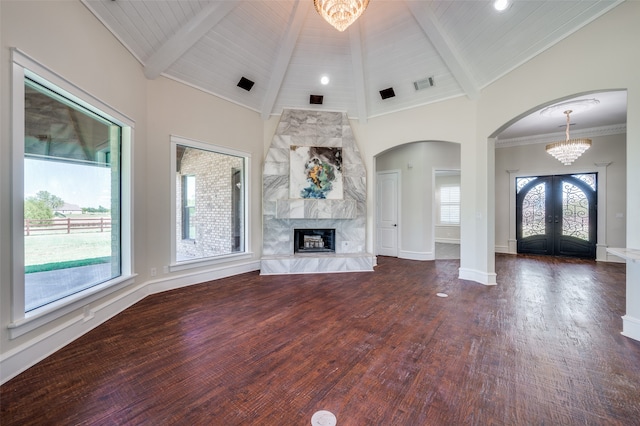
x,y
62,248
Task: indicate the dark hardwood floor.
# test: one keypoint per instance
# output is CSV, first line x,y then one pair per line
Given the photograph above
x,y
543,347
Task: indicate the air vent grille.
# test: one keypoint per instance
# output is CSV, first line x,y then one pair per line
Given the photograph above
x,y
425,83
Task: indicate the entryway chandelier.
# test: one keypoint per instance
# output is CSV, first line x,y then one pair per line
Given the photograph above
x,y
568,150
340,13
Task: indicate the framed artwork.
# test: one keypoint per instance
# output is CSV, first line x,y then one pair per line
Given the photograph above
x,y
315,172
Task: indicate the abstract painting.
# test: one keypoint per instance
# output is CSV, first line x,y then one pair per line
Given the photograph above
x,y
315,172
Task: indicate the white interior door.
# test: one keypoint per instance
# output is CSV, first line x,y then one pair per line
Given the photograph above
x,y
387,207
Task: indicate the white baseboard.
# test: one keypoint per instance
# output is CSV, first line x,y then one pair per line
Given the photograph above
x,y
631,327
477,276
416,255
502,249
184,280
35,350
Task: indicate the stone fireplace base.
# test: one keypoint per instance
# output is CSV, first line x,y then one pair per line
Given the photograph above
x,y
309,263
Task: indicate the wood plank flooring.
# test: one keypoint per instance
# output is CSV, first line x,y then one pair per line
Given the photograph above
x,y
542,347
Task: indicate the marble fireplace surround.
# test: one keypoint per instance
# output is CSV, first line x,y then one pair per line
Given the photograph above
x,y
281,215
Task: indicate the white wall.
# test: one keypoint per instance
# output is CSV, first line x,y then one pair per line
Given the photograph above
x,y
66,38
417,239
532,160
176,109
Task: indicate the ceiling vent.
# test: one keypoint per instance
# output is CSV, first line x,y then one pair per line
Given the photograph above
x,y
245,84
424,83
315,99
387,93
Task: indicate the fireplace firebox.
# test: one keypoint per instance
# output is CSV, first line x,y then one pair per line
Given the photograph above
x,y
314,240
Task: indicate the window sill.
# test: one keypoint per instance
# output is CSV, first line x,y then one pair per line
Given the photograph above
x,y
208,261
52,311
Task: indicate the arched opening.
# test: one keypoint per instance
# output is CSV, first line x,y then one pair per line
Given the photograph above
x,y
406,207
520,155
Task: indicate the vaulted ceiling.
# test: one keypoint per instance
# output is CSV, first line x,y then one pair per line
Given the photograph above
x,y
285,47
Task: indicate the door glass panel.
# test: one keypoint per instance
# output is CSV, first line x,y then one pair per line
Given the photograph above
x,y
589,179
533,211
521,182
575,212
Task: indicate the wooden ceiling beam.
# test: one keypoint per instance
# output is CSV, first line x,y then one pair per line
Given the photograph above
x,y
446,48
357,66
186,37
288,43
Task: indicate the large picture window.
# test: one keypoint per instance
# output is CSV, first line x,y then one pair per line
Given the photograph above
x,y
210,201
70,228
71,197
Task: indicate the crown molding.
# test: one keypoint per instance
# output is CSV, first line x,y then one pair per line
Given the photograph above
x,y
592,132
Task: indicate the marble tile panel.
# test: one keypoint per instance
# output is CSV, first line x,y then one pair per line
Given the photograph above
x,y
296,210
329,141
282,129
299,265
331,264
280,141
301,140
278,155
359,263
311,209
283,209
353,170
329,131
275,168
275,187
355,188
349,156
324,209
276,240
274,266
343,209
269,208
330,118
286,115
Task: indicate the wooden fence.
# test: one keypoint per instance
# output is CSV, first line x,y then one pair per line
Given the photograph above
x,y
66,224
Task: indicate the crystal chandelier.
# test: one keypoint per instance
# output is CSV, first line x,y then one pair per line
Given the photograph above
x,y
340,13
568,150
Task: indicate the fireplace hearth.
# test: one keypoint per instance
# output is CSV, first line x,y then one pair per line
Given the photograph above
x,y
314,240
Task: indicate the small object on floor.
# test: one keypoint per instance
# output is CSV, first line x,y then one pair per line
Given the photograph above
x,y
323,418
442,295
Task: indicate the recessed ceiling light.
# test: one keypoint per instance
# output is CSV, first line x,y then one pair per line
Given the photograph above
x,y
501,5
324,80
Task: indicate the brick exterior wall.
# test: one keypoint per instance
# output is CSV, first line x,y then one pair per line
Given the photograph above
x,y
213,210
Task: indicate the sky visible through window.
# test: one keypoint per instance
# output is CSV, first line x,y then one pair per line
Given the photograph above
x,y
82,185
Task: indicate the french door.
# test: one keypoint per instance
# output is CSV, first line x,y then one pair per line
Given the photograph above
x,y
556,215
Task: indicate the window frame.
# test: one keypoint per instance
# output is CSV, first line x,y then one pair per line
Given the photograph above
x,y
213,260
186,208
23,322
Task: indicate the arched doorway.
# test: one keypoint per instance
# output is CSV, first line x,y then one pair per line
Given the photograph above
x,y
520,154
